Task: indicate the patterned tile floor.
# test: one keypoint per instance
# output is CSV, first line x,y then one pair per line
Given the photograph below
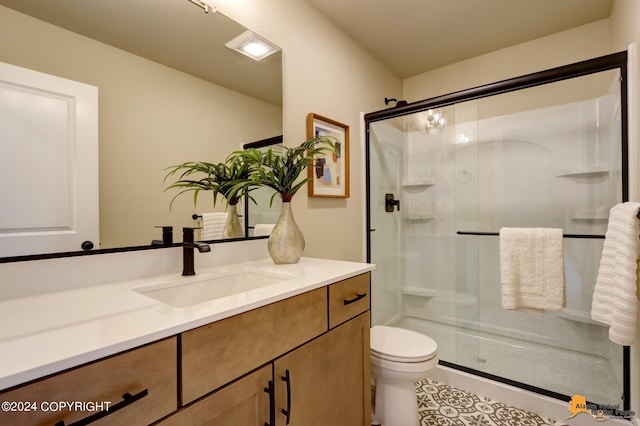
x,y
443,405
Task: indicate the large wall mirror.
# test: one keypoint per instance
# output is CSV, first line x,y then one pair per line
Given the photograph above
x,y
169,91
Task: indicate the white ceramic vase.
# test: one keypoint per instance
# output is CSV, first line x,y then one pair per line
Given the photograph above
x,y
232,227
286,242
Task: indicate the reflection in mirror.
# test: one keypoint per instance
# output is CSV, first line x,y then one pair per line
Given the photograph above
x,y
164,97
261,216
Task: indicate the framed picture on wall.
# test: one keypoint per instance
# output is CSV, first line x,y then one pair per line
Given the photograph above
x,y
330,175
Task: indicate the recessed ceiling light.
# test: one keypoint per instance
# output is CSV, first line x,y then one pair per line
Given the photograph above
x,y
252,45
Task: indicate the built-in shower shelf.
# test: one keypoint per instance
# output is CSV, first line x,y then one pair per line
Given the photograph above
x,y
419,291
583,172
577,316
419,184
589,217
419,218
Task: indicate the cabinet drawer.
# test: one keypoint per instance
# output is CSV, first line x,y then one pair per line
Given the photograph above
x,y
348,298
216,354
148,373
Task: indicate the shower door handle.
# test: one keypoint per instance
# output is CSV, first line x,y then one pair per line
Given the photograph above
x,y
390,202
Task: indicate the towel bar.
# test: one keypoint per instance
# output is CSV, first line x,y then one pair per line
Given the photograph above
x,y
563,235
196,216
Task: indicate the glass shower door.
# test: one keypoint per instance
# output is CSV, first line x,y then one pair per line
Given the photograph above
x,y
385,157
548,156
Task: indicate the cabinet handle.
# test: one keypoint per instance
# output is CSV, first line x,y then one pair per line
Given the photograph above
x,y
355,299
286,378
127,399
272,403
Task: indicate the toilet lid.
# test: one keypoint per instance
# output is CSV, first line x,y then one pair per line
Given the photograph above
x,y
399,344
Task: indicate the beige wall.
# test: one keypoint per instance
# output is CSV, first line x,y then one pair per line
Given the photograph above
x,y
328,74
150,117
625,23
585,42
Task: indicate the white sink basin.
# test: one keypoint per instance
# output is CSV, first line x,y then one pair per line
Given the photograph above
x,y
189,291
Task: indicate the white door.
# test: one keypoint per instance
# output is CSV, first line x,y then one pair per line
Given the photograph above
x,y
48,163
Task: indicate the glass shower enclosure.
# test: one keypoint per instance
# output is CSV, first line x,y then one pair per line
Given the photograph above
x,y
444,175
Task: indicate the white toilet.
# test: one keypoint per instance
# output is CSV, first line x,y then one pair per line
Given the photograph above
x,y
399,358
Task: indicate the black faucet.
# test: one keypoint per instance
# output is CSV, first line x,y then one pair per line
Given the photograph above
x,y
167,236
188,244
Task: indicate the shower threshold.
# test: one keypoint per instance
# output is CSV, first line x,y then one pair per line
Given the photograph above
x,y
555,371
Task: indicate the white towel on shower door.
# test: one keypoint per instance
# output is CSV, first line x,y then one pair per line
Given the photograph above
x,y
615,300
532,269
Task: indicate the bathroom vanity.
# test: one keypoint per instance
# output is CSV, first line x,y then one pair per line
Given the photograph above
x,y
295,351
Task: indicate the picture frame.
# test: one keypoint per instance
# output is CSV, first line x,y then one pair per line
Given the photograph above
x,y
330,176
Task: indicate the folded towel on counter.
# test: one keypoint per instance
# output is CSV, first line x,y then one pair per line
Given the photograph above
x,y
262,229
615,300
532,269
212,225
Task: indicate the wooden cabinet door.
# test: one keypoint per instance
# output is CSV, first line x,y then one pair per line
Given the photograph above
x,y
244,402
327,381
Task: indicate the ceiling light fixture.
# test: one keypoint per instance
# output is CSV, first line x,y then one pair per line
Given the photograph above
x,y
434,120
252,45
206,5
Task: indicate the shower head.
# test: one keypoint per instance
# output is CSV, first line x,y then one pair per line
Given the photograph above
x,y
398,103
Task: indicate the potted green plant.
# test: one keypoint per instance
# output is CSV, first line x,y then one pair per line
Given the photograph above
x,y
219,178
280,171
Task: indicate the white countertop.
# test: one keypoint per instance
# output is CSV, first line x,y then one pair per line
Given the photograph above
x,y
45,334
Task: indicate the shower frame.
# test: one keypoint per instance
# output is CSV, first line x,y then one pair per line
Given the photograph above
x,y
566,72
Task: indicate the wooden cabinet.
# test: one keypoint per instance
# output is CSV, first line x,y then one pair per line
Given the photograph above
x,y
142,381
302,361
320,376
326,382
